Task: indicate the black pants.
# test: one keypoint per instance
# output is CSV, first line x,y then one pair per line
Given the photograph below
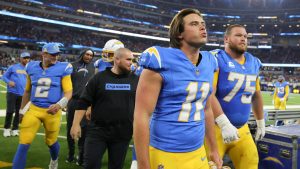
x,y
71,143
13,103
96,143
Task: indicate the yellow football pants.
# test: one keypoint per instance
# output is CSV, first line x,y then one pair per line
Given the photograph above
x,y
31,123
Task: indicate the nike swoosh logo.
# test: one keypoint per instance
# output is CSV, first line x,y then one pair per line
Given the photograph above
x,y
203,158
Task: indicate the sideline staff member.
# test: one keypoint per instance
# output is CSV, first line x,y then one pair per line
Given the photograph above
x,y
111,94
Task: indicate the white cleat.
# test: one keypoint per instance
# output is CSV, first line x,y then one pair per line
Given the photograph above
x,y
53,164
6,133
14,132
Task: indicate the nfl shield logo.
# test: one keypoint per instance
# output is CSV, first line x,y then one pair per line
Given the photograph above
x,y
231,65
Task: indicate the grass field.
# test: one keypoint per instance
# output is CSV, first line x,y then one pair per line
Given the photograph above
x,y
38,155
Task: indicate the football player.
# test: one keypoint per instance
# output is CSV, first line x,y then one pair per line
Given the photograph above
x,y
107,55
237,88
48,88
281,93
174,90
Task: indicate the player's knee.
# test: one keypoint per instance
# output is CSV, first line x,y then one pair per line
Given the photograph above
x,y
50,141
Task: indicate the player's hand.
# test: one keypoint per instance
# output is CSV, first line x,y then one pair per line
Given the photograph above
x,y
260,132
53,109
216,159
21,118
88,113
11,84
229,132
75,132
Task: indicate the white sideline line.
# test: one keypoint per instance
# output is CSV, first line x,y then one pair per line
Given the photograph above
x,y
3,86
43,134
62,137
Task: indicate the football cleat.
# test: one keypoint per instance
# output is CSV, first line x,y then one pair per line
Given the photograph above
x,y
14,132
6,133
53,164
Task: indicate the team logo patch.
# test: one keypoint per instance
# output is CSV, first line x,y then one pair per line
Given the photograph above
x,y
160,166
230,64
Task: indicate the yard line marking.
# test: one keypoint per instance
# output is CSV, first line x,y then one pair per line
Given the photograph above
x,y
3,86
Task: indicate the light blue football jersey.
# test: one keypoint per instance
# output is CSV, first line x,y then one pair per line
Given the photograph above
x,y
178,121
46,85
281,88
236,86
101,65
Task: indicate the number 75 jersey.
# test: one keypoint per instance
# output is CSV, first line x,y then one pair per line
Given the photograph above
x,y
46,85
236,85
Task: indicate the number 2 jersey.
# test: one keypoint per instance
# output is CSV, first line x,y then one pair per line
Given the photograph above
x,y
236,85
178,121
47,85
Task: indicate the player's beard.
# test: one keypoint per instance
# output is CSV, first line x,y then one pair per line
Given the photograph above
x,y
237,49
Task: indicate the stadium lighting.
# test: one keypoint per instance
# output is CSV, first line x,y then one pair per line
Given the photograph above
x,y
267,17
212,44
3,41
7,13
264,47
257,34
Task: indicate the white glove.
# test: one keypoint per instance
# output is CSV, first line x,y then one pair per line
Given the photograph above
x,y
229,132
282,99
260,132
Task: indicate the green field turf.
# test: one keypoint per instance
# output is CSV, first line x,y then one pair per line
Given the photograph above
x,y
38,155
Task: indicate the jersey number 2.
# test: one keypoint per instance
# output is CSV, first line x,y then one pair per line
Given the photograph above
x,y
192,90
43,86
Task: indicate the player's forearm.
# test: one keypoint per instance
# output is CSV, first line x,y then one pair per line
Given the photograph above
x,y
141,139
78,117
257,105
68,95
217,109
25,99
210,130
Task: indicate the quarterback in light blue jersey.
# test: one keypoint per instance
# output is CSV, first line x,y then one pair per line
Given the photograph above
x,y
237,89
48,89
175,88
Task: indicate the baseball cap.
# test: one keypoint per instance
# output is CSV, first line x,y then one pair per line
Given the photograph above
x,y
25,54
51,48
112,45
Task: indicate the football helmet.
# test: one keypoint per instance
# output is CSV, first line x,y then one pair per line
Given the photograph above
x,y
109,48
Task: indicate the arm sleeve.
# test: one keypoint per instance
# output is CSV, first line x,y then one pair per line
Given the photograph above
x,y
216,77
66,83
257,87
28,84
6,75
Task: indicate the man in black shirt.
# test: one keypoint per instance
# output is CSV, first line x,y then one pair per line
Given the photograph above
x,y
111,94
83,70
